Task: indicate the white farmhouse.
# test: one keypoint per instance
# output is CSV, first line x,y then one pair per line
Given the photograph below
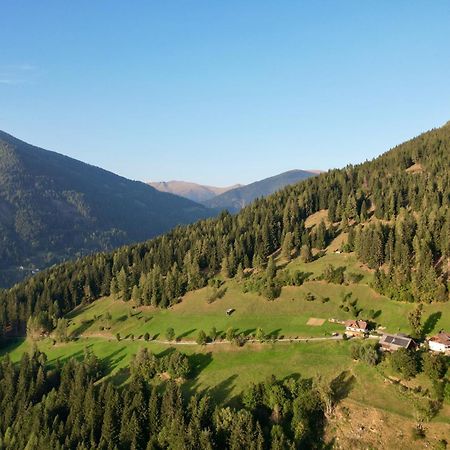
x,y
440,342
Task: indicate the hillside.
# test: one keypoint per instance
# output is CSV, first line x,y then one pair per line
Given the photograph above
x,y
185,331
235,199
396,222
53,207
193,191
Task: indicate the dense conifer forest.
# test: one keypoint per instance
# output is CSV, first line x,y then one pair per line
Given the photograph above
x,y
53,208
64,407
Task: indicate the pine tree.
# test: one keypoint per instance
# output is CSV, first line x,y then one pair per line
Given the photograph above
x,y
122,284
414,318
306,254
136,295
271,270
201,338
240,273
363,214
225,267
321,235
110,428
288,245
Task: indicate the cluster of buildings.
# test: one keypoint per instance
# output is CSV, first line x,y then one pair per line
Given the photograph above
x,y
390,342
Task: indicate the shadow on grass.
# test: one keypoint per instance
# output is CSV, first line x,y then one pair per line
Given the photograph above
x,y
166,352
78,355
221,392
8,345
274,334
431,322
111,361
294,376
342,385
121,376
79,310
185,334
376,314
199,362
85,325
249,331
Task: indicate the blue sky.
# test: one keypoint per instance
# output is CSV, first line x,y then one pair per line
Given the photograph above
x,y
220,92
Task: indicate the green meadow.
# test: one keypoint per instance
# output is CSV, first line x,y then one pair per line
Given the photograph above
x,y
224,369
286,316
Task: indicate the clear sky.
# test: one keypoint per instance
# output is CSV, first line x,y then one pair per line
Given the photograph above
x,y
221,92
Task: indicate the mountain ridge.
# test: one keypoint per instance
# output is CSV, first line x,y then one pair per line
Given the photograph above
x,y
193,191
236,199
55,207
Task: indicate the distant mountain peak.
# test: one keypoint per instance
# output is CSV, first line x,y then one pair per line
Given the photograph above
x,y
236,199
193,191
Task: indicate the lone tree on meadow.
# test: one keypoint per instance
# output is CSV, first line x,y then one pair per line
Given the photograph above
x,y
107,320
202,339
170,334
260,335
231,334
213,334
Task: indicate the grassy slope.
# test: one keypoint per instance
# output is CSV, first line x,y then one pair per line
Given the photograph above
x,y
286,316
224,370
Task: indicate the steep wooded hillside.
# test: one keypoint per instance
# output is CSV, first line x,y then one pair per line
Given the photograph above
x,y
397,222
236,199
53,207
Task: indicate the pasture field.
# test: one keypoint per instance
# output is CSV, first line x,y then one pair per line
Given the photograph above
x,y
224,370
286,316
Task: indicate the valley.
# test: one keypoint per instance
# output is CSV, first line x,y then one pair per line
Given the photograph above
x,y
54,208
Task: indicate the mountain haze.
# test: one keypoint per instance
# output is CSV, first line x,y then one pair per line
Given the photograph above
x,y
236,199
192,191
53,207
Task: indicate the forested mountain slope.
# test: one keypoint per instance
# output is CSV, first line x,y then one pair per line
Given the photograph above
x,y
192,191
235,199
394,209
53,207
